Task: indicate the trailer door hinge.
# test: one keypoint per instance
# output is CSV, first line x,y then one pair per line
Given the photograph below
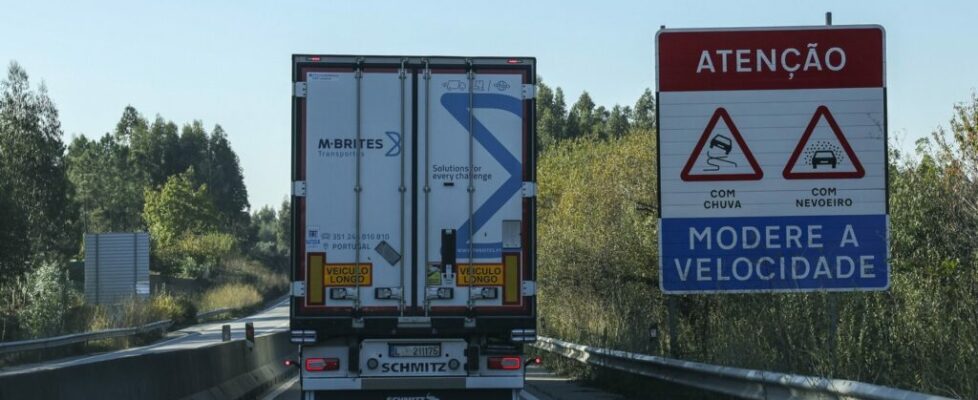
x,y
529,189
299,188
298,289
529,288
299,89
529,91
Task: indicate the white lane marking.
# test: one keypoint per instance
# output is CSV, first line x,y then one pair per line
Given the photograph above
x,y
286,386
525,395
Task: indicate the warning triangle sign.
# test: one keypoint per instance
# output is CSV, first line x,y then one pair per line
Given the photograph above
x,y
823,152
721,154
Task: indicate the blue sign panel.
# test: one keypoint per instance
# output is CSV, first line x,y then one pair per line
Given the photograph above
x,y
748,254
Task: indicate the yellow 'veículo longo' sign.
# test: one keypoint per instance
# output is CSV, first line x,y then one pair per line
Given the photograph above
x,y
480,275
346,275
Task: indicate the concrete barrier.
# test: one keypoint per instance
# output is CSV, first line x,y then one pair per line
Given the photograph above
x,y
222,371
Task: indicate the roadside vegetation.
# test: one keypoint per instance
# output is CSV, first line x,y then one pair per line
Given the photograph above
x,y
182,184
599,265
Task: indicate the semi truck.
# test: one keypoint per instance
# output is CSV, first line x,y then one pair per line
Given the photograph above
x,y
414,225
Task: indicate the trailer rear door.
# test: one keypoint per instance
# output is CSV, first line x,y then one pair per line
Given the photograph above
x,y
413,187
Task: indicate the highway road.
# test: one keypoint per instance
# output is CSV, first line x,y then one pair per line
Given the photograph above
x,y
272,319
541,385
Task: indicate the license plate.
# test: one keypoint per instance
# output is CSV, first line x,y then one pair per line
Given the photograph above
x,y
415,350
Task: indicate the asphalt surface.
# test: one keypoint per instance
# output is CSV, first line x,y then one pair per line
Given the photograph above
x,y
270,320
541,384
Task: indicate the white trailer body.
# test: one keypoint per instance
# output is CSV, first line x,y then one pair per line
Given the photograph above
x,y
414,223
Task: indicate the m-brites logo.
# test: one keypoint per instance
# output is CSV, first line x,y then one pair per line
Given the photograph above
x,y
350,144
347,147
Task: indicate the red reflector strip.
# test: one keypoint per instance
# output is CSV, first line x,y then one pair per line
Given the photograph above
x,y
505,363
322,364
513,61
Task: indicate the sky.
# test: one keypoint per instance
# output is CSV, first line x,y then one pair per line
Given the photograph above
x,y
228,62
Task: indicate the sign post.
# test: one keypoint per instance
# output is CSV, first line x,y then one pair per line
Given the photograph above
x,y
773,159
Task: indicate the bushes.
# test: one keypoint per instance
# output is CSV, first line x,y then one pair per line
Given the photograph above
x,y
232,295
44,311
598,258
197,256
34,304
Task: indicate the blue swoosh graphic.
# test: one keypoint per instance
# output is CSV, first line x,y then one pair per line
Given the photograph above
x,y
396,149
457,105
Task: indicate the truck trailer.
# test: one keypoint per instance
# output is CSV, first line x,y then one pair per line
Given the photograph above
x,y
414,225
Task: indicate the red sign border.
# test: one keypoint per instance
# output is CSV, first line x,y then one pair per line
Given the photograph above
x,y
823,111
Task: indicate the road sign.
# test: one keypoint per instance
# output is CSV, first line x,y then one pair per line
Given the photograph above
x,y
772,156
825,150
724,159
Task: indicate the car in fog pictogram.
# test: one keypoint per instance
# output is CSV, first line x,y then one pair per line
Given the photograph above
x,y
824,157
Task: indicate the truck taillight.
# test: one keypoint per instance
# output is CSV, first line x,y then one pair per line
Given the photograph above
x,y
505,362
322,364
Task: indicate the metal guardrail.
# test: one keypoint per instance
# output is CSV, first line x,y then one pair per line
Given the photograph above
x,y
58,341
211,313
737,382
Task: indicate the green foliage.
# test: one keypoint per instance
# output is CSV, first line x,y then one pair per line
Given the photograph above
x,y
155,152
183,224
232,295
587,119
283,232
597,237
111,174
185,186
198,255
178,208
15,248
643,116
43,311
597,258
36,195
108,190
181,309
225,183
268,237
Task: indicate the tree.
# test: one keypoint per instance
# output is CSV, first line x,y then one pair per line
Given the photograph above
x,y
583,115
107,180
131,124
599,128
644,113
551,116
265,246
32,169
156,152
15,248
193,151
546,136
179,208
618,123
559,111
284,232
225,183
